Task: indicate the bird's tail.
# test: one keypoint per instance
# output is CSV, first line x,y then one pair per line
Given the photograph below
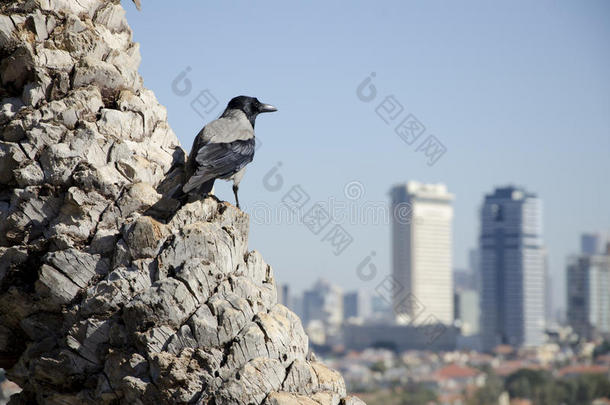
x,y
179,195
206,188
183,198
175,199
167,205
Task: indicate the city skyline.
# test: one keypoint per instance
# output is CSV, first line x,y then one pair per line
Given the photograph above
x,y
588,303
559,307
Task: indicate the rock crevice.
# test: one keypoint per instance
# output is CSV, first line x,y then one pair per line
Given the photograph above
x,y
100,302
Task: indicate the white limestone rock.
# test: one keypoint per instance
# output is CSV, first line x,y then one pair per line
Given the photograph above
x,y
101,301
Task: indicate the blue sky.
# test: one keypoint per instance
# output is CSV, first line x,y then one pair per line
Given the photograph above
x,y
517,92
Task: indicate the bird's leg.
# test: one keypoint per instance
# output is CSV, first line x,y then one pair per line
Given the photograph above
x,y
235,188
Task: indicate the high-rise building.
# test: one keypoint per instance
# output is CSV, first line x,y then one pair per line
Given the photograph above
x,y
588,284
380,309
324,305
512,265
593,243
466,296
474,262
296,305
421,250
549,293
466,303
283,294
464,279
356,304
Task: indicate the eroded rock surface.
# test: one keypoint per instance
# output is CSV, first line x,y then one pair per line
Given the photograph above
x,y
101,303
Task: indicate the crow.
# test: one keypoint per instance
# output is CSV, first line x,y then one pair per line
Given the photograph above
x,y
224,147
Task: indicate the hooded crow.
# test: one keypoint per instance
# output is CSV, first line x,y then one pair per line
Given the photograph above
x,y
224,147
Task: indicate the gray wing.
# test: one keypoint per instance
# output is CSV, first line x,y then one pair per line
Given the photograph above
x,y
220,160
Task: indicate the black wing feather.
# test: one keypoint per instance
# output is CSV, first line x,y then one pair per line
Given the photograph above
x,y
220,160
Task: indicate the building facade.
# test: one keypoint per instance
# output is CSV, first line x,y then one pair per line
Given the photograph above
x,y
400,337
356,305
512,266
588,285
323,310
593,243
466,303
283,295
422,250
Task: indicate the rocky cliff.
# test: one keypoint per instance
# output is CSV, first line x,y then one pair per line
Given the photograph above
x,y
100,302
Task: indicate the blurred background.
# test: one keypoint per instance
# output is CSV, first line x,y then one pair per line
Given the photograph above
x,y
432,193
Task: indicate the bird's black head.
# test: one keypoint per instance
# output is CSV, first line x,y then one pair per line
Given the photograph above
x,y
250,106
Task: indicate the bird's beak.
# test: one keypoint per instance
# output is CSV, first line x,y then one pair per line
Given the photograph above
x,y
263,108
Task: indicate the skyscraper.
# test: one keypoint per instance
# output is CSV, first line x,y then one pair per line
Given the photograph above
x,y
421,249
324,303
356,304
283,294
474,262
588,282
593,243
512,269
467,310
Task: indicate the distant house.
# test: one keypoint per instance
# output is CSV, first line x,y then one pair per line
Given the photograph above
x,y
575,370
504,351
455,376
451,381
